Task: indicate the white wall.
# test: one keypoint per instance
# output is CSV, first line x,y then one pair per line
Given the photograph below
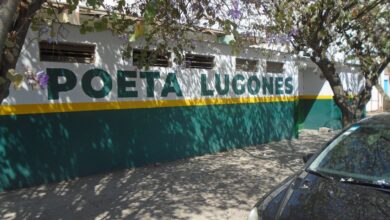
x,y
312,83
376,102
109,58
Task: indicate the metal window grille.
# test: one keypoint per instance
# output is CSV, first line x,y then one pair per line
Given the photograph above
x,y
150,58
66,52
199,61
246,65
274,67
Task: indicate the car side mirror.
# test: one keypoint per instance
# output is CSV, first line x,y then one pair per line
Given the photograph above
x,y
307,157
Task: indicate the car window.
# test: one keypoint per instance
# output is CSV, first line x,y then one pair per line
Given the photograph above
x,y
360,152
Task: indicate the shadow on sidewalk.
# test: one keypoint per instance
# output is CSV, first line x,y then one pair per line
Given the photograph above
x,y
219,186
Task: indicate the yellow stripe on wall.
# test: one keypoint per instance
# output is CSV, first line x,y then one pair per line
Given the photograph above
x,y
95,106
310,97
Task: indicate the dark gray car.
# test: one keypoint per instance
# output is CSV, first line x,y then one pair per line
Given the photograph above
x,y
349,178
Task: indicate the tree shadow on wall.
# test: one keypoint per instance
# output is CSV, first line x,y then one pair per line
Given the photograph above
x,y
43,148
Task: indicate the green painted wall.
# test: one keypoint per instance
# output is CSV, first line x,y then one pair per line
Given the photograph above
x,y
313,114
43,148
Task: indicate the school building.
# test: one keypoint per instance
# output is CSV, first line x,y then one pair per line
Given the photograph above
x,y
81,109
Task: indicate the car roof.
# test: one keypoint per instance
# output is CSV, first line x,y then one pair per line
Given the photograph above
x,y
382,119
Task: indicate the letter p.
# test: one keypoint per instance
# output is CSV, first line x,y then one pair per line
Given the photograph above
x,y
54,87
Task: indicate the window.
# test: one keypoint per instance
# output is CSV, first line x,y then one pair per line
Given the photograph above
x,y
150,58
246,65
66,52
362,153
274,67
199,61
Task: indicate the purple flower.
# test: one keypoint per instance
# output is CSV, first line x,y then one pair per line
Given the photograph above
x,y
235,4
44,29
108,7
294,32
283,38
235,13
43,79
123,37
274,38
248,33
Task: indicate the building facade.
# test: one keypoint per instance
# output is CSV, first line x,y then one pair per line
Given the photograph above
x,y
82,109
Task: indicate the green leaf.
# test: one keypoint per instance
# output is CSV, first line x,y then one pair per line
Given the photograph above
x,y
150,11
2,81
100,25
50,11
9,43
176,13
83,30
139,29
72,4
93,3
132,38
322,34
121,4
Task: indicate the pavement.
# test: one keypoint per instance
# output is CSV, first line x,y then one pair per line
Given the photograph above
x,y
220,186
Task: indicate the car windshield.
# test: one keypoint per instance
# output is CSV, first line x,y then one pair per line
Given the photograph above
x,y
361,153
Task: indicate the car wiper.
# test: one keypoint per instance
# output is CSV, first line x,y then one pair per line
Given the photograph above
x,y
321,174
377,184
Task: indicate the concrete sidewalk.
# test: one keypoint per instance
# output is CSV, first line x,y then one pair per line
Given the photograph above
x,y
220,186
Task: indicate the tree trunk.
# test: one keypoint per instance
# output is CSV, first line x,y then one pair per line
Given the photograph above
x,y
354,110
346,118
7,15
15,33
351,109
